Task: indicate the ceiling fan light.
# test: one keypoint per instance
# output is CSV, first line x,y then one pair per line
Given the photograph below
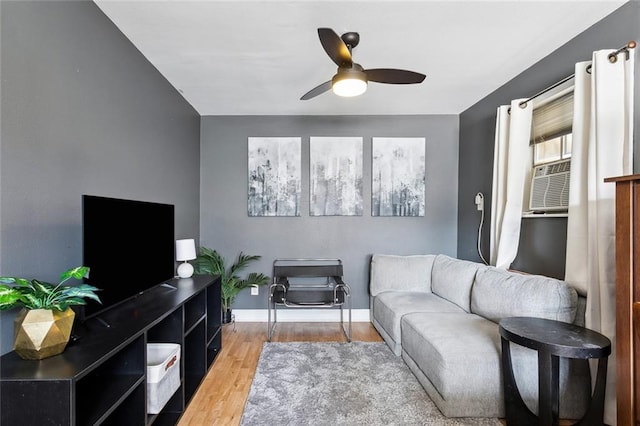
x,y
349,83
349,87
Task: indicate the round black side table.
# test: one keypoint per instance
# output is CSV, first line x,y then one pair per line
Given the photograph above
x,y
552,340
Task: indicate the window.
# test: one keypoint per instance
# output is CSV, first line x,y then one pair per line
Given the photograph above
x,y
551,128
551,143
552,150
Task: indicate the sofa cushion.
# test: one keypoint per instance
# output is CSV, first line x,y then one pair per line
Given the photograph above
x,y
460,355
391,306
400,273
452,279
499,294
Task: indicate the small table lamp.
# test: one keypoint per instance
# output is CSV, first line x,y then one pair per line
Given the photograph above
x,y
185,250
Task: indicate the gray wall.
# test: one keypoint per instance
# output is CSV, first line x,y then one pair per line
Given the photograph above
x,y
543,241
82,112
226,227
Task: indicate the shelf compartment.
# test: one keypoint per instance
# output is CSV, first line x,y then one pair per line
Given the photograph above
x,y
169,330
111,384
190,329
214,309
131,411
214,346
195,357
194,311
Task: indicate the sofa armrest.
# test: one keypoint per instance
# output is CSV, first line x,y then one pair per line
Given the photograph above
x,y
400,273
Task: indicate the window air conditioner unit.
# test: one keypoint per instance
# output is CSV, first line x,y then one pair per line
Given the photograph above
x,y
550,187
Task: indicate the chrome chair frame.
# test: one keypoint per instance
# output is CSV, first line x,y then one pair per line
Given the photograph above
x,y
283,293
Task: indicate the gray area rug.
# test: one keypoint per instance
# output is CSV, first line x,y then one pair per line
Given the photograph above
x,y
354,383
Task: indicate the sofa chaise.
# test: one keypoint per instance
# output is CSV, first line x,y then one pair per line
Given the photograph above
x,y
441,315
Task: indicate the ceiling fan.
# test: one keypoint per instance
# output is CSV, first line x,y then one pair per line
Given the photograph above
x,y
351,79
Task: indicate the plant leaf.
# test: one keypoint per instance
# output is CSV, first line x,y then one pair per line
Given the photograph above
x,y
33,302
73,301
59,306
79,272
36,294
242,262
9,297
81,291
13,280
42,287
258,279
211,263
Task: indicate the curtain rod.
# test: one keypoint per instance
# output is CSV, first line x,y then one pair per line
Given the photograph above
x,y
613,58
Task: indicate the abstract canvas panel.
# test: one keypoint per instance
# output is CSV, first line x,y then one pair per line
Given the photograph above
x,y
335,182
274,176
398,177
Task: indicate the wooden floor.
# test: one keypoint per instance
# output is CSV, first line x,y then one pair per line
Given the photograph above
x,y
222,394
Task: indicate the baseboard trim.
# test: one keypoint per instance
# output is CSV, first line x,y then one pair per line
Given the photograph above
x,y
301,315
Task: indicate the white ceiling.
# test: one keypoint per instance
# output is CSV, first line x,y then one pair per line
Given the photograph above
x,y
259,57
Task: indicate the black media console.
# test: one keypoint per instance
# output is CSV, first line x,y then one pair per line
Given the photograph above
x,y
100,378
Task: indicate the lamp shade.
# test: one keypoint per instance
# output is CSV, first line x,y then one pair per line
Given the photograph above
x,y
185,250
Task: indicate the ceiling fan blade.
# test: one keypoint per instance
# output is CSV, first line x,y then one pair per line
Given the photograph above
x,y
334,46
393,76
318,90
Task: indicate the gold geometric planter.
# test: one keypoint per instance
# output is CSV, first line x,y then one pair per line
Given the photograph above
x,y
41,333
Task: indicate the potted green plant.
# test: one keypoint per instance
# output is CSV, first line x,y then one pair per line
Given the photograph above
x,y
43,327
210,262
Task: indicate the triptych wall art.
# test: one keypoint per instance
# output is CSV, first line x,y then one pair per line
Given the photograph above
x,y
398,177
275,178
336,176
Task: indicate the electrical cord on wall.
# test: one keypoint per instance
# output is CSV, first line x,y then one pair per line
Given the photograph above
x,y
480,206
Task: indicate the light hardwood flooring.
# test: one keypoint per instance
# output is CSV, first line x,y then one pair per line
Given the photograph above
x,y
222,394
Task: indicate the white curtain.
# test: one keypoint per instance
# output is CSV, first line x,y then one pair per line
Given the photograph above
x,y
512,165
602,147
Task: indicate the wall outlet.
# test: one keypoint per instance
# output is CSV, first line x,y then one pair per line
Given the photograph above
x,y
255,290
479,200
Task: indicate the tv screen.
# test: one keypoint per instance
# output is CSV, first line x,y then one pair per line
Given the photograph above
x,y
128,245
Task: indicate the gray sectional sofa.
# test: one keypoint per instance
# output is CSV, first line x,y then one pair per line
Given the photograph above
x,y
441,315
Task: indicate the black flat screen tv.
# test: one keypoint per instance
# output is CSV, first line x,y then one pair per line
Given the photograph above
x,y
129,247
